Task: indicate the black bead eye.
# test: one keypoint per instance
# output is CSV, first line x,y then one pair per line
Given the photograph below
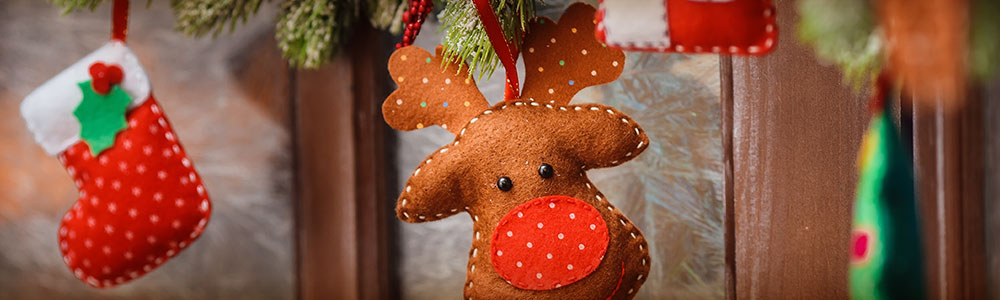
x,y
504,184
546,171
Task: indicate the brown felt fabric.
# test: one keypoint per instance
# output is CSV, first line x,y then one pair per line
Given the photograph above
x,y
513,139
585,61
429,94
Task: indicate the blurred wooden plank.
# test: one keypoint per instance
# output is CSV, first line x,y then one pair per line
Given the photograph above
x,y
949,158
327,185
345,215
797,130
726,97
991,95
376,212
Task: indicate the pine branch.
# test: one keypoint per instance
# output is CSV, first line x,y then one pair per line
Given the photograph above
x,y
843,32
984,47
309,31
199,17
69,6
466,41
387,14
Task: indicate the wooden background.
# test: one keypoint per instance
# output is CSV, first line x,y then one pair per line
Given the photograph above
x,y
795,131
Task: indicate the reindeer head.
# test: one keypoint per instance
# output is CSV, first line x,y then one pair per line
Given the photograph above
x,y
520,154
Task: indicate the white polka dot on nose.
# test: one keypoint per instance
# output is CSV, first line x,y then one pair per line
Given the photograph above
x,y
540,225
510,233
529,245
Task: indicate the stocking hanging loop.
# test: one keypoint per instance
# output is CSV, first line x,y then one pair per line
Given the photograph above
x,y
119,20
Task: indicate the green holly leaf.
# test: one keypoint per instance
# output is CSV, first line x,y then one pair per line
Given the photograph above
x,y
101,116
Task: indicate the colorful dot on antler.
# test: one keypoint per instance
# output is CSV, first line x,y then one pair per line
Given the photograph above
x,y
579,56
431,86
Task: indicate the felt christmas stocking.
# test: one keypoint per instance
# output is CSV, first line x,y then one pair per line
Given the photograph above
x,y
141,201
739,27
886,251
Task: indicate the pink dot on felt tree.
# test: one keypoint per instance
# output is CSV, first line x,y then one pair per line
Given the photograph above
x,y
860,244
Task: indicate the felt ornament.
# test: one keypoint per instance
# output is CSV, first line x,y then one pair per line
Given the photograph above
x,y
915,28
541,229
739,27
886,254
141,201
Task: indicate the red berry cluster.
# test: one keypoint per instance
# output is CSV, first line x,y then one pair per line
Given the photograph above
x,y
104,76
413,18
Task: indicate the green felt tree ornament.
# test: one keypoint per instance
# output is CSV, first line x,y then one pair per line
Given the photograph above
x,y
101,116
886,254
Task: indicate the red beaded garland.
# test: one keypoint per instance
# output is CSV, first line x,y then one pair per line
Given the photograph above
x,y
414,18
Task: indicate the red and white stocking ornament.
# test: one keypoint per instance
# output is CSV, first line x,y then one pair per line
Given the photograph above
x,y
141,201
737,27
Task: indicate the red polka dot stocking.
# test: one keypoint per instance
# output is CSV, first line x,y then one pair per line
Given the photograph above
x,y
141,201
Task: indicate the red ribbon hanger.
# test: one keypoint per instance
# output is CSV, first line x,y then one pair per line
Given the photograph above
x,y
119,20
505,51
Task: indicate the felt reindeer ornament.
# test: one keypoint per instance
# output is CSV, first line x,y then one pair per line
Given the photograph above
x,y
542,230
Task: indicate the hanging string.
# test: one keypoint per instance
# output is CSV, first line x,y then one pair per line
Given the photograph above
x,y
883,89
119,20
505,51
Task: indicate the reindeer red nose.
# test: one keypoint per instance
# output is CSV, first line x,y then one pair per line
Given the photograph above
x,y
549,242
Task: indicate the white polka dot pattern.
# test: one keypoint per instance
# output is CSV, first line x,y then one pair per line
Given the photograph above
x,y
536,245
154,206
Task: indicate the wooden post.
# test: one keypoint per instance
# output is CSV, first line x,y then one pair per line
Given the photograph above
x,y
345,217
949,159
796,132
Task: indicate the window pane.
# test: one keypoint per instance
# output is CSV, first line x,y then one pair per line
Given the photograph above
x,y
673,190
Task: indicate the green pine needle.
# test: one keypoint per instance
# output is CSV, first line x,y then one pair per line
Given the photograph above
x,y
465,41
69,6
199,17
387,14
845,33
984,48
309,31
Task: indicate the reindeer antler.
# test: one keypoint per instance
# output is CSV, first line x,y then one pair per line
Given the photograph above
x,y
429,95
561,59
